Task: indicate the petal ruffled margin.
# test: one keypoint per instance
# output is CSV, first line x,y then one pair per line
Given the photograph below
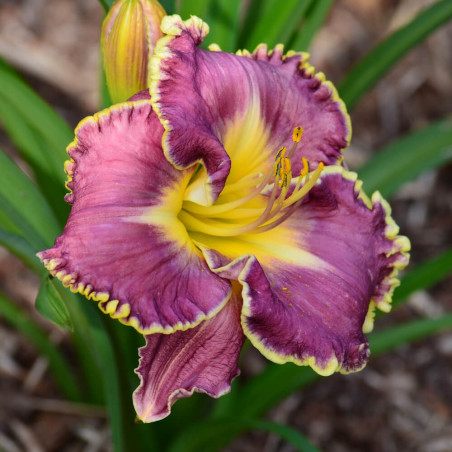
x,y
123,244
202,359
327,128
311,309
214,105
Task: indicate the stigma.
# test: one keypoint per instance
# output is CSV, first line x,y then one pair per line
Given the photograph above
x,y
257,202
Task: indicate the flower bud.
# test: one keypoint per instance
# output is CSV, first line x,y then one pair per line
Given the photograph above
x,y
129,34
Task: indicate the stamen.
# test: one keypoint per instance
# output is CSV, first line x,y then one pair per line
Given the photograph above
x,y
281,153
245,182
296,137
207,226
223,219
220,208
285,173
279,159
293,201
293,207
297,134
304,174
305,169
297,195
240,214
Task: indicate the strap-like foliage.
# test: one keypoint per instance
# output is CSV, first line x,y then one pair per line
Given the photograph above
x,y
372,68
213,434
408,157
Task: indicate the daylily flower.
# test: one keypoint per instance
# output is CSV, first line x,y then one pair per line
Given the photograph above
x,y
213,208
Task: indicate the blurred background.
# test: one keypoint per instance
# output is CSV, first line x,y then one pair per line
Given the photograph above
x,y
402,401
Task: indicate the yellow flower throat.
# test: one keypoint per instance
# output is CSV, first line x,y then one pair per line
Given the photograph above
x,y
255,203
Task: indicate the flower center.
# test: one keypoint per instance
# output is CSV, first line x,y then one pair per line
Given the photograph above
x,y
257,202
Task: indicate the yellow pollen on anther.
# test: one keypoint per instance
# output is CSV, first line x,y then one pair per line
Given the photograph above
x,y
297,134
285,173
296,137
231,216
280,154
305,169
278,160
286,165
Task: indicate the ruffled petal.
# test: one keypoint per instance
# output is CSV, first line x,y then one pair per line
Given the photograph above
x,y
215,105
202,359
123,244
308,284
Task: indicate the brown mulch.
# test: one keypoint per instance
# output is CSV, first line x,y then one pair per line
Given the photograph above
x,y
402,401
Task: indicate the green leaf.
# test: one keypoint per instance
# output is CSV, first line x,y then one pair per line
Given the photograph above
x,y
252,14
408,157
12,220
22,198
58,365
39,133
294,23
223,19
315,17
424,276
211,434
170,6
374,65
6,222
291,435
29,142
391,338
273,22
106,4
194,8
50,304
104,370
109,369
45,165
94,340
251,403
21,248
125,342
37,113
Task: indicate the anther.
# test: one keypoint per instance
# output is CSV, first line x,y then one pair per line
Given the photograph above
x,y
281,153
285,173
282,198
296,137
305,169
297,134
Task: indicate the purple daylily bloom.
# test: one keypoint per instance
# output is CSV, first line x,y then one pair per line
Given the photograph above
x,y
215,207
